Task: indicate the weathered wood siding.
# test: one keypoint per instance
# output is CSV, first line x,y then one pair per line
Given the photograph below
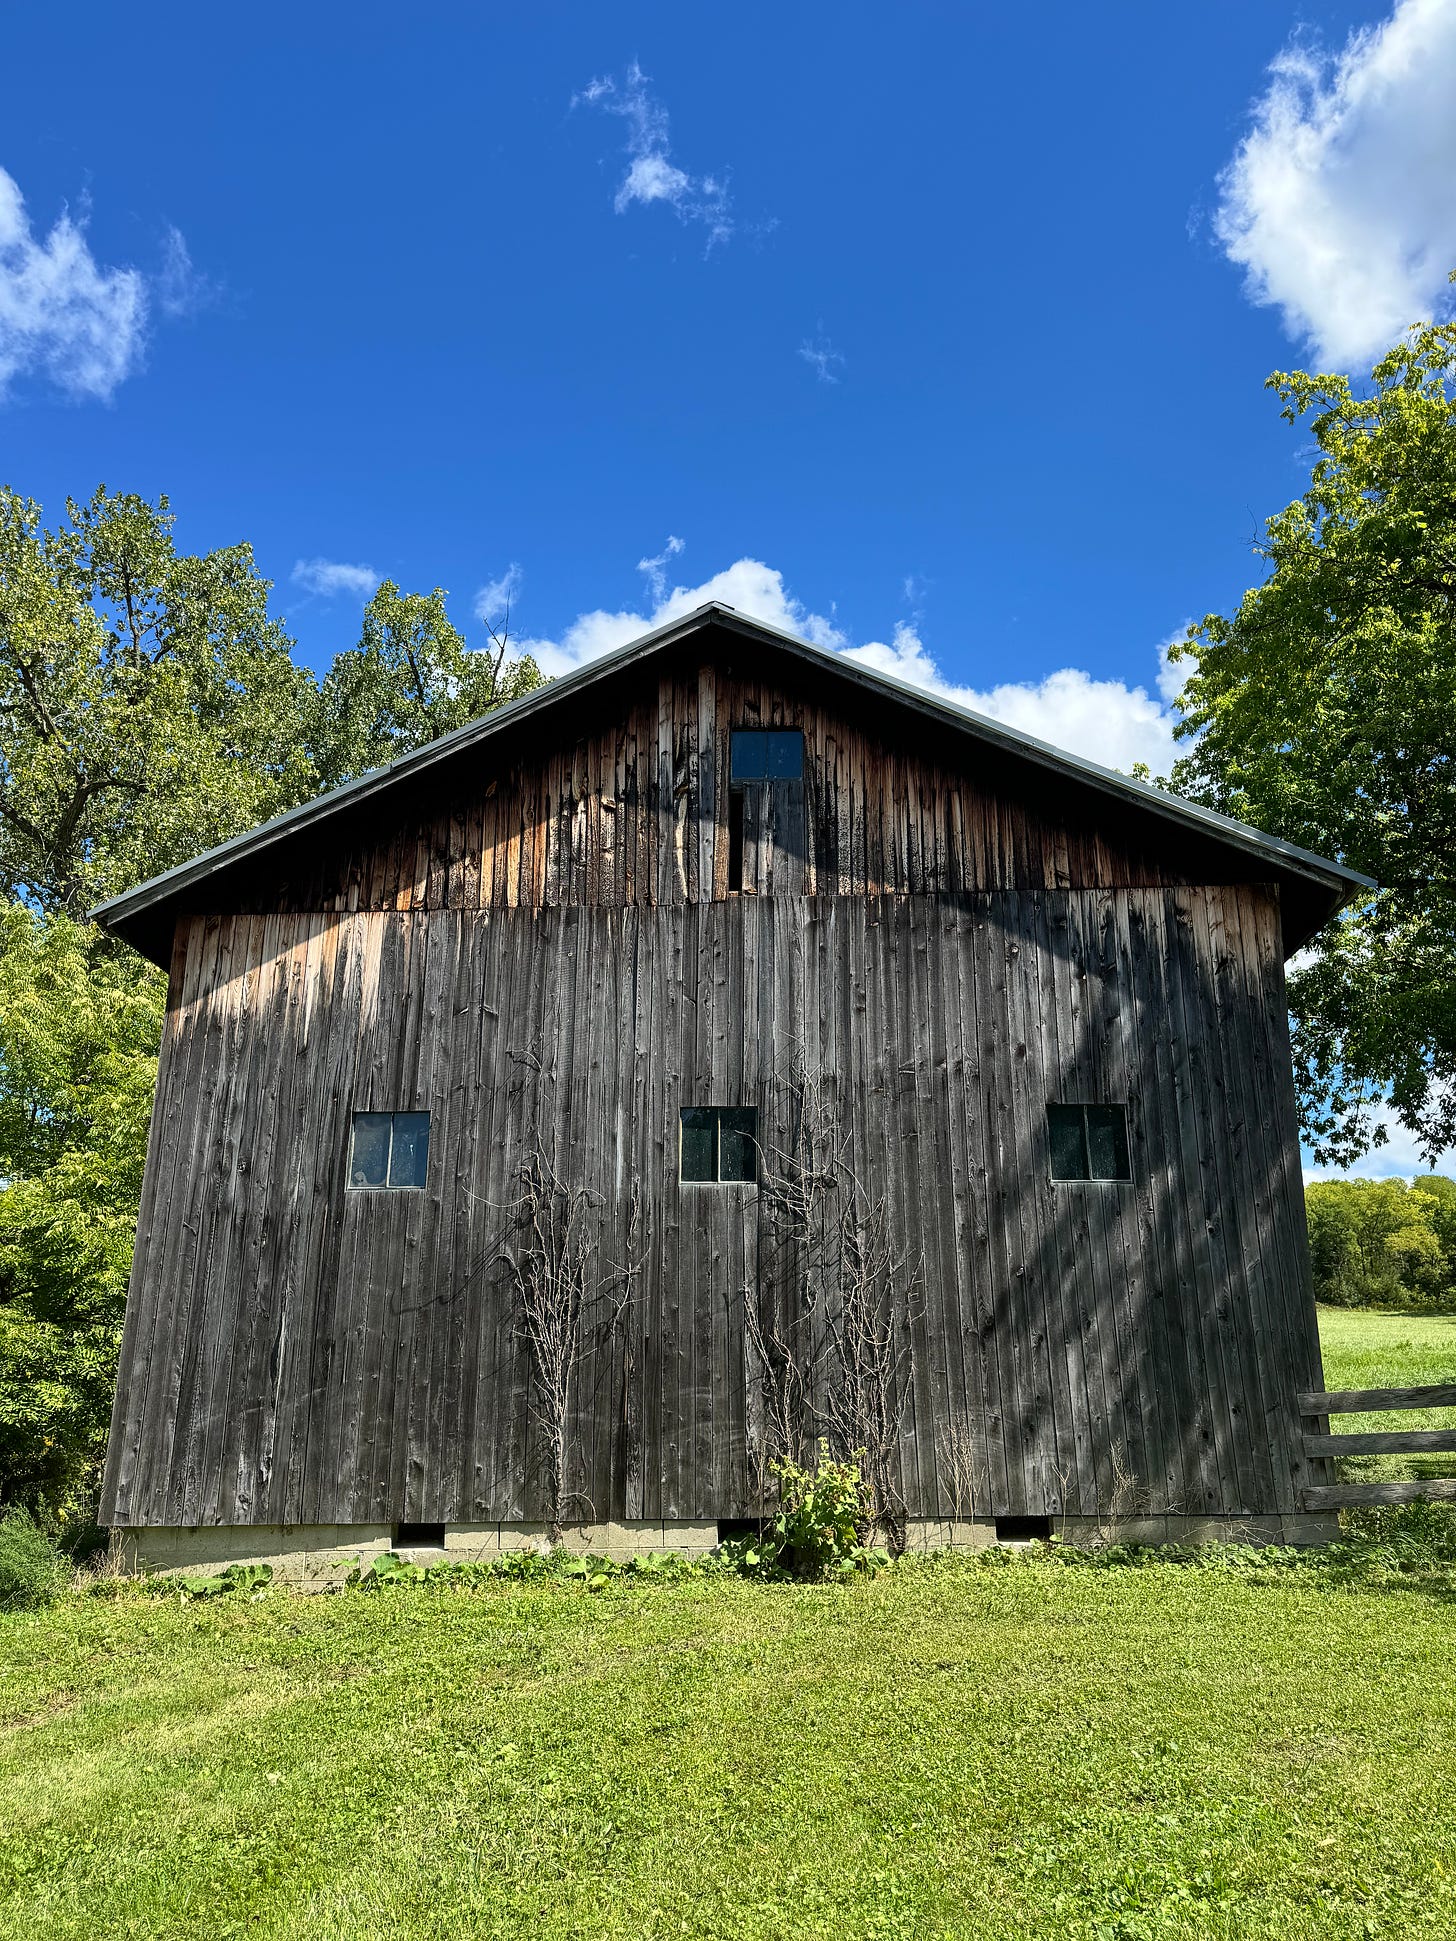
x,y
631,811
299,1353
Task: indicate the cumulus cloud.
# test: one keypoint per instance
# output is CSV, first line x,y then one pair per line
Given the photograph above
x,y
822,358
494,600
1399,1158
1105,721
1340,203
651,174
62,315
330,577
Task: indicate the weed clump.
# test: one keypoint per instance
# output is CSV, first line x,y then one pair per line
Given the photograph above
x,y
32,1570
819,1531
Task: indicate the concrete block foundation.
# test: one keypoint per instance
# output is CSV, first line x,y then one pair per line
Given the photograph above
x,y
318,1556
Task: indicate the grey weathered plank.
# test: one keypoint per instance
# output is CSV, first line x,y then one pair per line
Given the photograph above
x,y
1338,1496
1386,1442
1361,1401
1049,1331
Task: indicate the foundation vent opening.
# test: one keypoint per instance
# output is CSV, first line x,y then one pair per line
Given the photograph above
x,y
419,1536
1023,1529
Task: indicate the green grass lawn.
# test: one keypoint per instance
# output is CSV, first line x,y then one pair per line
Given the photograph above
x,y
955,1748
950,1749
1369,1350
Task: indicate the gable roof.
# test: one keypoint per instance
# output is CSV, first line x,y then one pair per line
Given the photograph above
x,y
144,916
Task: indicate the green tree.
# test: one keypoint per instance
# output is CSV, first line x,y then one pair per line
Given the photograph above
x,y
411,678
1382,1243
149,704
1325,711
80,1020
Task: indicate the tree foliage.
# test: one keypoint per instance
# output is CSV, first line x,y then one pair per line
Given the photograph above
x,y
411,678
1325,711
80,1020
149,703
1383,1242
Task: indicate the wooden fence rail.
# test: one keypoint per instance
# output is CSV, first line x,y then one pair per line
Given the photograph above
x,y
1318,1403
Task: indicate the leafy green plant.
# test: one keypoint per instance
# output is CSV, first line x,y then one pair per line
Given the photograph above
x,y
823,1516
237,1577
32,1570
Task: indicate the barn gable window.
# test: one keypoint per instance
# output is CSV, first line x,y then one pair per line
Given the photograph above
x,y
1089,1142
767,755
718,1143
389,1149
757,755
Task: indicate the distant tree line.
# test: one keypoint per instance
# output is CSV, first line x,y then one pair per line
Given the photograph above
x,y
1384,1243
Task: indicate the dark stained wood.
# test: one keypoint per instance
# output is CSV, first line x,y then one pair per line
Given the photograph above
x,y
299,1352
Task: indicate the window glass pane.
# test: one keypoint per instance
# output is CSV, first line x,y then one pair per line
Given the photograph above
x,y
369,1149
1069,1143
699,1142
1107,1142
784,755
767,755
737,1142
409,1156
747,755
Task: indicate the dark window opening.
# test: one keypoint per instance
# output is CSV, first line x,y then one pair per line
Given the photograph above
x,y
732,1527
1089,1142
1023,1529
419,1536
718,1143
766,755
389,1149
735,839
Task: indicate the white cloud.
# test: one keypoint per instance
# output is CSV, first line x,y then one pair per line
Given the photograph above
x,y
181,290
495,599
62,316
821,357
1399,1158
330,577
1105,721
651,176
1340,203
655,568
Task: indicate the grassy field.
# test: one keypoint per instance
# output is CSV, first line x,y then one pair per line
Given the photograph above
x,y
1365,1350
951,1749
1007,1750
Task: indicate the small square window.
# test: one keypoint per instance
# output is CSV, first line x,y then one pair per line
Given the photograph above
x,y
767,755
1089,1142
719,1143
390,1149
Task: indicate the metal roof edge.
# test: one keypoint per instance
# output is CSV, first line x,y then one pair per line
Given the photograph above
x,y
1013,741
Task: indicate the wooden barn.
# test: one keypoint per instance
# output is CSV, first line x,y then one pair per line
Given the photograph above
x,y
721,1049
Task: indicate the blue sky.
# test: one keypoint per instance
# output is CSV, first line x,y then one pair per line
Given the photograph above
x,y
937,331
